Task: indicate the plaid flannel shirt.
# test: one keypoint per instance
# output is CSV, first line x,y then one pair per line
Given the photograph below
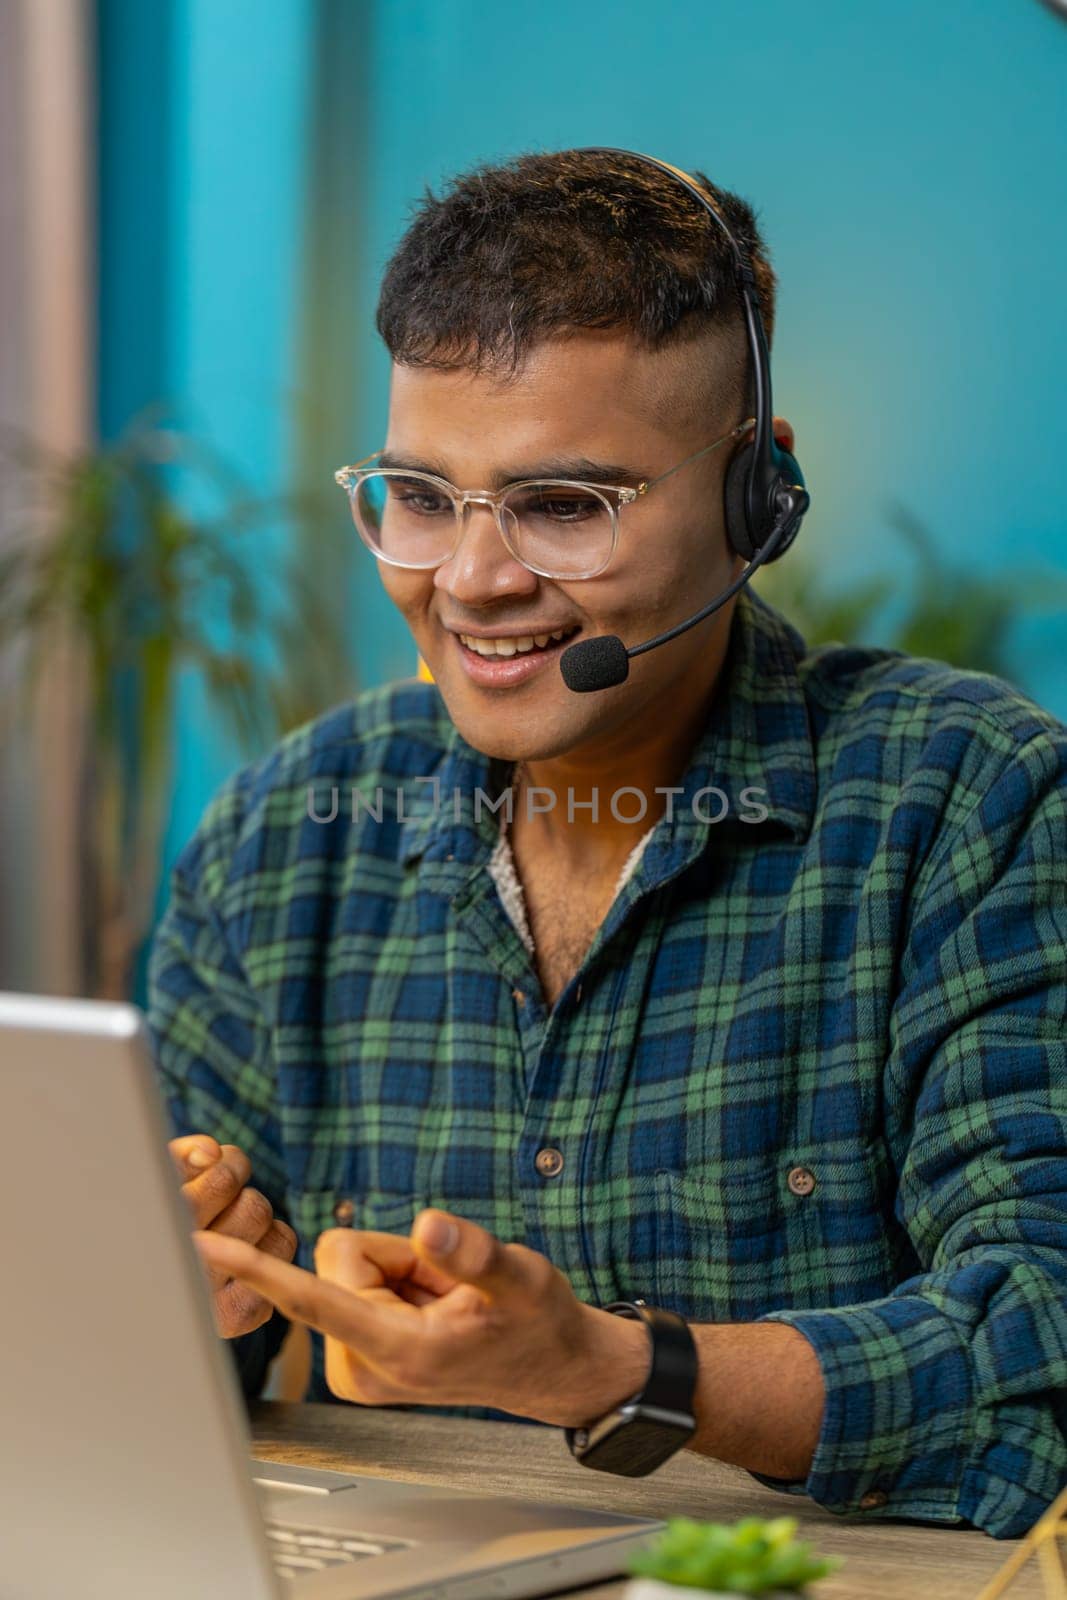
x,y
812,1069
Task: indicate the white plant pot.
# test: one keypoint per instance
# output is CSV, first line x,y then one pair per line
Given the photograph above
x,y
656,1589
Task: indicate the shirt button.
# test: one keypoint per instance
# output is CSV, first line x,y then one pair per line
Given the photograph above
x,y
343,1212
801,1180
549,1163
518,997
873,1499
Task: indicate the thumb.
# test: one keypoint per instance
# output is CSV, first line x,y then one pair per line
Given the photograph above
x,y
361,1260
466,1252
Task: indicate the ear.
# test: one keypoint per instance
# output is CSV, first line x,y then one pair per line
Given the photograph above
x,y
784,436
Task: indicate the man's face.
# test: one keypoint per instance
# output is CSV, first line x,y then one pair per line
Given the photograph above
x,y
602,398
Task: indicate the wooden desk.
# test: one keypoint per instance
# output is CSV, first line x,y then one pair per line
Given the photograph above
x,y
884,1561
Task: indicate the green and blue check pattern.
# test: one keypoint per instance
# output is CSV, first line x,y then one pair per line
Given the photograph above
x,y
870,984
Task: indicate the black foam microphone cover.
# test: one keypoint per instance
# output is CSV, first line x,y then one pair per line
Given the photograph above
x,y
595,664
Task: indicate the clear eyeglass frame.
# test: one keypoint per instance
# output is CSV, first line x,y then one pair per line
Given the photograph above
x,y
614,496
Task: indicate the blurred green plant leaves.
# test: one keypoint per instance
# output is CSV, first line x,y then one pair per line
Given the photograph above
x,y
937,608
102,552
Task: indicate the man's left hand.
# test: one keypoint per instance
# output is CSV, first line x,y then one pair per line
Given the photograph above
x,y
449,1316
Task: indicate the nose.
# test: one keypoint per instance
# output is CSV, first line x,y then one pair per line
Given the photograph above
x,y
482,568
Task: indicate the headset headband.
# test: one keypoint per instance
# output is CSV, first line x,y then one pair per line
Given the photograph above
x,y
765,453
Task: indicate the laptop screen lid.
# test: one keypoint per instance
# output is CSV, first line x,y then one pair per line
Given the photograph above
x,y
124,1454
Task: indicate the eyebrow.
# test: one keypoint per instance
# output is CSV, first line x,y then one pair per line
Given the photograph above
x,y
578,468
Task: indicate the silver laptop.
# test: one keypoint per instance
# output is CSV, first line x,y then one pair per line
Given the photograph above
x,y
125,1466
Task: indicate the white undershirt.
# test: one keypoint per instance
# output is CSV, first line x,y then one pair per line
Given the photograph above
x,y
503,873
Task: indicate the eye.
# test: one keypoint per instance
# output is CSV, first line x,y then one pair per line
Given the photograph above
x,y
418,499
558,504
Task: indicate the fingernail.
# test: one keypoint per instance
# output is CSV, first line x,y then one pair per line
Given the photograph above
x,y
199,1158
439,1235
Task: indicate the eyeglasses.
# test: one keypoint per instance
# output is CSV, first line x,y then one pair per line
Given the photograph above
x,y
555,527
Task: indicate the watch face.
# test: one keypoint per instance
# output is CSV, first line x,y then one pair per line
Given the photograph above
x,y
635,1445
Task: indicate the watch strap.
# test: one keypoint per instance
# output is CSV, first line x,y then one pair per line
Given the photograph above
x,y
673,1369
672,1372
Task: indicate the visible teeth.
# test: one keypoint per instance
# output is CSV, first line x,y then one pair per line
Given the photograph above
x,y
517,646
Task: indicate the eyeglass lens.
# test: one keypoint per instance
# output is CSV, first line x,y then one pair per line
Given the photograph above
x,y
563,530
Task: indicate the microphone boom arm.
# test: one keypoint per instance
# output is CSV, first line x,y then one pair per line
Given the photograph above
x,y
800,501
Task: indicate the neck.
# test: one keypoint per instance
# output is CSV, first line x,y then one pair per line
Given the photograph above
x,y
590,807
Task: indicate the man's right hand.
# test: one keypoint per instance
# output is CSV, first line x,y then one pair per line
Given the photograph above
x,y
214,1183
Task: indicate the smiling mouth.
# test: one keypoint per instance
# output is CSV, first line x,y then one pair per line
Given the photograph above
x,y
518,645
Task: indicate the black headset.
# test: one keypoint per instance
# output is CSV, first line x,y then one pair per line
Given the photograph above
x,y
764,493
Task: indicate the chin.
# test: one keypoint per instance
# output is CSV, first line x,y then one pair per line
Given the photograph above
x,y
491,735
511,745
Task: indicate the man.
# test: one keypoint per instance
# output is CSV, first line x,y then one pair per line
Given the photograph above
x,y
756,1013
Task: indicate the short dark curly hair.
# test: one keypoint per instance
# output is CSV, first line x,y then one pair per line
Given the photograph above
x,y
511,254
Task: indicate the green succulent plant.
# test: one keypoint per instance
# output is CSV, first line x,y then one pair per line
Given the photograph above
x,y
753,1556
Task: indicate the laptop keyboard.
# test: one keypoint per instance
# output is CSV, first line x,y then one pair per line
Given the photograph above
x,y
294,1553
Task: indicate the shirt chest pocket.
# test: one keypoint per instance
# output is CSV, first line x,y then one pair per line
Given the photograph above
x,y
810,1230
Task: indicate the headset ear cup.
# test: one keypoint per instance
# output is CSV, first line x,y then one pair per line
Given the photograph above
x,y
737,530
789,470
744,540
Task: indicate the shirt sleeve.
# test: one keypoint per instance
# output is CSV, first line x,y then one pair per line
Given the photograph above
x,y
209,1042
946,1400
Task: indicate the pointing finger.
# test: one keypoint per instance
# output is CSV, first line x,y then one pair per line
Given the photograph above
x,y
370,1327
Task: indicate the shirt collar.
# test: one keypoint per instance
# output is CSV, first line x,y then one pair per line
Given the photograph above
x,y
757,737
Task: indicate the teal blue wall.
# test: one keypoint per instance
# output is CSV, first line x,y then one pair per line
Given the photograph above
x,y
203,148
907,162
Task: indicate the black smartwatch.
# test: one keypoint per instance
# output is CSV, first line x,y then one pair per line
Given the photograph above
x,y
645,1431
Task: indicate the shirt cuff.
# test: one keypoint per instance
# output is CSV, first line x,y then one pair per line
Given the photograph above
x,y
917,1425
897,1430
